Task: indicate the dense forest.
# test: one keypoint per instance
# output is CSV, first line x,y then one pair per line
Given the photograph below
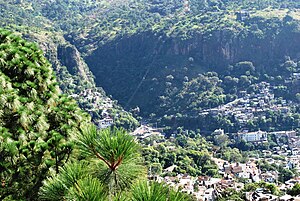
x,y
176,65
49,148
155,51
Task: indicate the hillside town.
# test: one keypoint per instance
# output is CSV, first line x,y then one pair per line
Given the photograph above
x,y
234,175
252,106
97,105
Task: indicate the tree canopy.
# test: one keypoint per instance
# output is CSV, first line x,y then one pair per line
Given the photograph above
x,y
36,121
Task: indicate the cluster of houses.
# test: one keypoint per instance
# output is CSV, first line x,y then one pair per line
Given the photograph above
x,y
205,188
295,77
145,131
262,194
95,102
287,157
251,106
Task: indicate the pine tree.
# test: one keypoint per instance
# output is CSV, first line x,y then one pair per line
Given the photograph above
x,y
110,169
35,120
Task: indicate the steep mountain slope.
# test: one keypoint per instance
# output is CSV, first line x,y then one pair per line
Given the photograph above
x,y
48,144
74,76
147,53
156,54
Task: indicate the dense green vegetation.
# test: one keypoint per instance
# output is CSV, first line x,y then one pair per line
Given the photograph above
x,y
49,148
155,51
35,122
231,194
155,55
73,75
190,155
162,61
111,170
295,190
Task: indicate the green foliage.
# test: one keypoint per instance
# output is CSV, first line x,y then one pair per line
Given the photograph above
x,y
157,52
35,122
153,191
73,183
271,188
231,155
169,48
111,165
58,186
285,174
34,21
230,194
189,155
110,170
116,156
295,190
221,140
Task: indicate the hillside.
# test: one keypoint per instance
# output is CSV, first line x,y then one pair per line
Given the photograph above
x,y
74,76
215,85
49,148
146,54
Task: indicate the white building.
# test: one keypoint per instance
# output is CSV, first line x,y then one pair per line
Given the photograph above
x,y
106,122
257,136
219,132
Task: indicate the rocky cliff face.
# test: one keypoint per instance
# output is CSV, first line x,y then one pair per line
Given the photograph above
x,y
126,67
75,79
66,61
62,54
69,56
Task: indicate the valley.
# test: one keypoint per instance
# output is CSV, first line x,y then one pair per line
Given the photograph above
x,y
206,92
